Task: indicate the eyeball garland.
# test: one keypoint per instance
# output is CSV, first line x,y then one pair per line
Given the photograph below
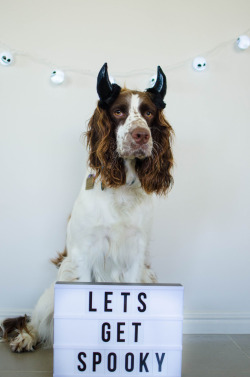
x,y
243,42
6,58
152,81
57,77
199,63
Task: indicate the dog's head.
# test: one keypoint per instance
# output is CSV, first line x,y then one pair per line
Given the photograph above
x,y
129,124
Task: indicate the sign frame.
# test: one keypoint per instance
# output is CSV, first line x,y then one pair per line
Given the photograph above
x,y
128,325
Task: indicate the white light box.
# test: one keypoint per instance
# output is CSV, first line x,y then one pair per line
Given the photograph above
x,y
104,329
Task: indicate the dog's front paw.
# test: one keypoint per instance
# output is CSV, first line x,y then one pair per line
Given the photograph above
x,y
22,343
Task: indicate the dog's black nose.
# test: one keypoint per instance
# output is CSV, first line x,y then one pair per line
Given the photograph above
x,y
140,135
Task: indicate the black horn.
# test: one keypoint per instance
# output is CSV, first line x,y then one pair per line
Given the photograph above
x,y
107,92
158,91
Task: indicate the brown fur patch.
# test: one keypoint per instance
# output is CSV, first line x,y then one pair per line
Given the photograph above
x,y
11,326
60,256
59,259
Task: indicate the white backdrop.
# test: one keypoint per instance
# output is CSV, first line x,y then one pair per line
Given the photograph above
x,y
201,230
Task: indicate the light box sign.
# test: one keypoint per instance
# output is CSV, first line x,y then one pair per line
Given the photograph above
x,y
118,329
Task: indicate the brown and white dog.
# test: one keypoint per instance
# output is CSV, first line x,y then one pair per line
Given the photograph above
x,y
130,158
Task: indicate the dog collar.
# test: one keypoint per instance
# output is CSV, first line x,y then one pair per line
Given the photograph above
x,y
90,182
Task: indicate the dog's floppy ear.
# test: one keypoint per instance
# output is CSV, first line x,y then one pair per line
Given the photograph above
x,y
158,91
155,172
107,92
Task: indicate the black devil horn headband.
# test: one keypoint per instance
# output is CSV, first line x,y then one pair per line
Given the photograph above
x,y
107,92
158,91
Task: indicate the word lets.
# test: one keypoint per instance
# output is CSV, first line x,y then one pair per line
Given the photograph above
x,y
108,302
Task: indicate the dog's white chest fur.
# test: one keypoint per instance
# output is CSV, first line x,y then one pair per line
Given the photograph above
x,y
108,233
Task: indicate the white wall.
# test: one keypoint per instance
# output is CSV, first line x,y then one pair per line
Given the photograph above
x,y
201,230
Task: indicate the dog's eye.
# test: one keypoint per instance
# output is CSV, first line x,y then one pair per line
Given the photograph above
x,y
118,113
148,114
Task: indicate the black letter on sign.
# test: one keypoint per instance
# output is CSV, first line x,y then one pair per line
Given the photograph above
x,y
132,362
90,302
119,331
125,294
83,367
143,361
111,369
160,361
97,358
106,302
142,302
136,324
106,332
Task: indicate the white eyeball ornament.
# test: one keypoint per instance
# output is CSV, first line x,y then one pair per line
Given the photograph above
x,y
152,81
57,77
199,63
6,58
243,42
